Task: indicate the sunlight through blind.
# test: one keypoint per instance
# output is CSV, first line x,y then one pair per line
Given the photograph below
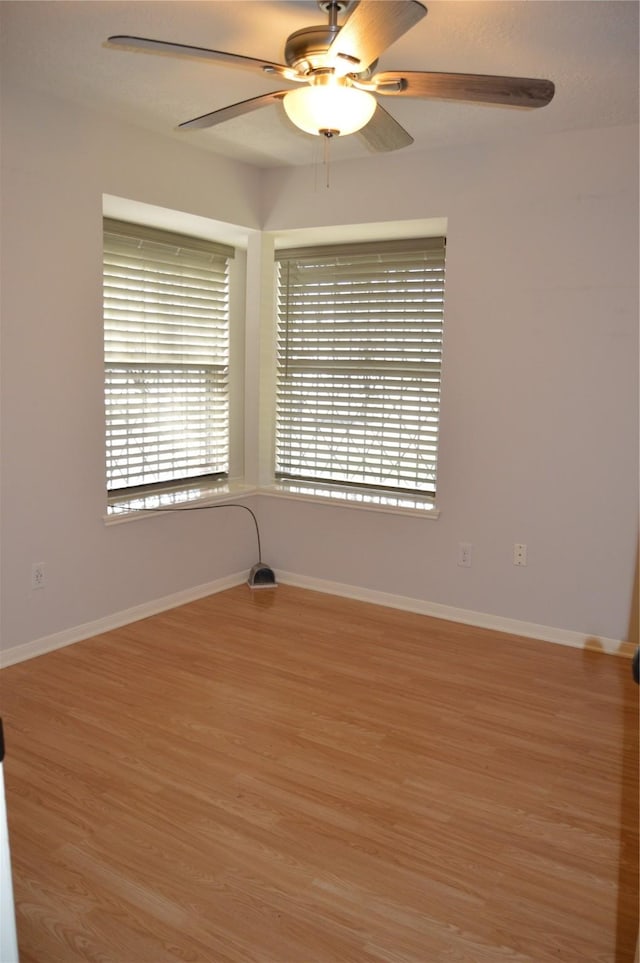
x,y
359,355
166,331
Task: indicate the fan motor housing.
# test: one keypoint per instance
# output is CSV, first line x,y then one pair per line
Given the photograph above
x,y
306,49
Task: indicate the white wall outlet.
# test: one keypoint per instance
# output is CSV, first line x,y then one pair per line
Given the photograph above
x,y
519,554
38,576
464,554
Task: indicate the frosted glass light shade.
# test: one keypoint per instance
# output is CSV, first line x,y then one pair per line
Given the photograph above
x,y
336,108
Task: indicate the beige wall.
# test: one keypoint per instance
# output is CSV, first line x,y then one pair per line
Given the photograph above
x,y
539,425
540,404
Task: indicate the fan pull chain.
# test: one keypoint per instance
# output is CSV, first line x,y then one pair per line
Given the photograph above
x,y
327,135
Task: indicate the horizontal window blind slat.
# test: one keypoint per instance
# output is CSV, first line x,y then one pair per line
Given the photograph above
x,y
120,297
375,364
137,270
350,376
204,286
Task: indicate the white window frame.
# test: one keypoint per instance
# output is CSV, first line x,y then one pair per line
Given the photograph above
x,y
360,495
203,489
252,360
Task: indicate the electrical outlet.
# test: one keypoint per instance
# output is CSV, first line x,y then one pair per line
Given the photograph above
x,y
38,576
519,554
464,554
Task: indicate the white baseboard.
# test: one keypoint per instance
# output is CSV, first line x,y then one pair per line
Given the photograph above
x,y
496,623
29,650
530,630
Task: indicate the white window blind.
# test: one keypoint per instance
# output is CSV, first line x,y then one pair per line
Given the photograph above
x,y
359,349
166,337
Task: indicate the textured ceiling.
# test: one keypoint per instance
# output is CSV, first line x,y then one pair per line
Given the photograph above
x,y
589,49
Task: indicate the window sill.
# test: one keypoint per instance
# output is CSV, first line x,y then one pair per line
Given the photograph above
x,y
401,504
133,508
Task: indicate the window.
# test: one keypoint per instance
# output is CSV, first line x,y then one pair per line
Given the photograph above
x,y
166,357
166,331
359,347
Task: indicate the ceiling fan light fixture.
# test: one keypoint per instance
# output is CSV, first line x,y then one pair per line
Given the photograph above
x,y
333,107
339,65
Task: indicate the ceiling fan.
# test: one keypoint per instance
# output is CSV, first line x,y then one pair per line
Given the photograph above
x,y
335,68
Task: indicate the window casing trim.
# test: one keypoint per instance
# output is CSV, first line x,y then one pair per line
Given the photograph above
x,y
129,507
348,496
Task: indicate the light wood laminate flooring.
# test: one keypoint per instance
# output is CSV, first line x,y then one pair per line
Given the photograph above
x,y
289,777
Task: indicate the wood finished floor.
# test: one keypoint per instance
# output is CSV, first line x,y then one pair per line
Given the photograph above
x,y
288,777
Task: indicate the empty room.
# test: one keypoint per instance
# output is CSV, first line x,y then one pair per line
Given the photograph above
x,y
319,481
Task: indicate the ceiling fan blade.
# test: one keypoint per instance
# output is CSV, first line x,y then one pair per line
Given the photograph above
x,y
476,88
234,110
372,27
145,45
383,133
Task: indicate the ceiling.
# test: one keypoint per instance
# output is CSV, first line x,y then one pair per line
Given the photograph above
x,y
589,48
